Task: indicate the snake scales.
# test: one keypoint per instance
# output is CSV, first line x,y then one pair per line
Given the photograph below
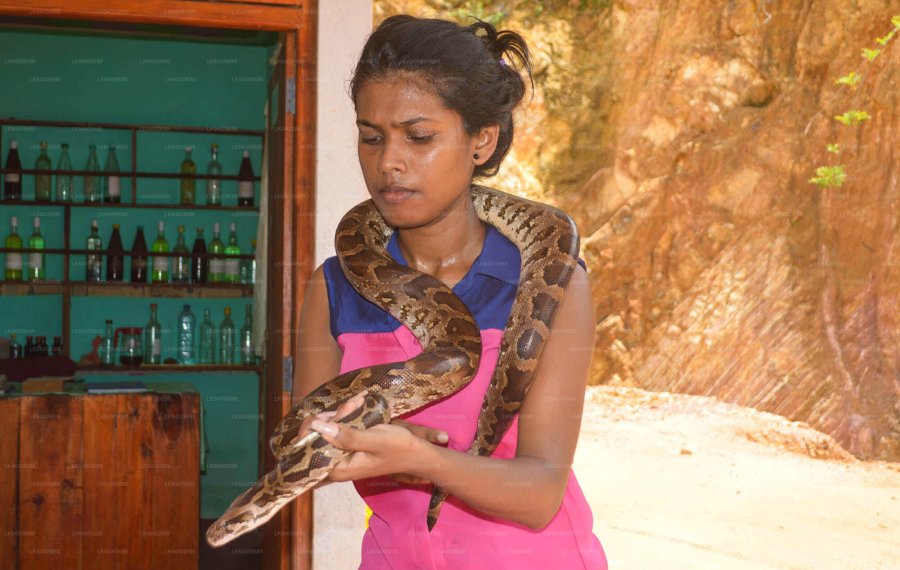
x,y
451,348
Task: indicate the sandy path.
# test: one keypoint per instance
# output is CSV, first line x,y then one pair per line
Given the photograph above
x,y
675,482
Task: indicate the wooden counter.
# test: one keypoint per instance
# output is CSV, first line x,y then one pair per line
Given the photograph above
x,y
91,481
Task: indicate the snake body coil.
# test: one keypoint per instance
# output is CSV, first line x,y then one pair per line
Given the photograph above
x,y
451,348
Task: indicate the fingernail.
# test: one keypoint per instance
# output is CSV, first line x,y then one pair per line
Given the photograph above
x,y
443,437
330,430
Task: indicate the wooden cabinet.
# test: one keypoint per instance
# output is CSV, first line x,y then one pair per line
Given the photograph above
x,y
100,481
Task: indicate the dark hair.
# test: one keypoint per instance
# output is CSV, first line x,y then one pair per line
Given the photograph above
x,y
465,69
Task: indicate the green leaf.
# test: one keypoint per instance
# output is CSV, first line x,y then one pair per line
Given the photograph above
x,y
882,41
835,148
850,79
853,117
829,176
870,54
896,21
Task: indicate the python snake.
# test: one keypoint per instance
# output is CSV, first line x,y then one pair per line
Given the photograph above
x,y
451,348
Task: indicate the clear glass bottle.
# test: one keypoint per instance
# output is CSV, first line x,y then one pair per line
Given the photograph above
x,y
188,183
93,268
65,183
214,185
111,180
181,264
36,261
105,351
43,179
226,339
153,338
15,349
208,337
12,179
232,263
13,259
92,192
248,355
216,264
248,267
186,353
160,262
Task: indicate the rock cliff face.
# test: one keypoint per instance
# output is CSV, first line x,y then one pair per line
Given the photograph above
x,y
681,136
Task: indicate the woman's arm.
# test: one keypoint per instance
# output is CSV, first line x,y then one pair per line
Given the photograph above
x,y
529,488
318,355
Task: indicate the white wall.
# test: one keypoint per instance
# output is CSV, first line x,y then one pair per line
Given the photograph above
x,y
344,25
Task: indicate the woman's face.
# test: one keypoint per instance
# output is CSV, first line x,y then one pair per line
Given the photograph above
x,y
415,155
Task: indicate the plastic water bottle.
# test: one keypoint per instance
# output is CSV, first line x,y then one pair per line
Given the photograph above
x,y
185,353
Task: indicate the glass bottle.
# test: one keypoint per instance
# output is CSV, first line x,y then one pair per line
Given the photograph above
x,y
92,181
226,339
248,267
15,349
115,259
29,346
13,259
139,257
208,334
216,264
181,264
42,348
185,353
105,351
232,263
12,180
94,263
214,185
245,182
111,179
65,183
153,339
248,356
36,261
43,180
57,348
160,262
199,261
188,184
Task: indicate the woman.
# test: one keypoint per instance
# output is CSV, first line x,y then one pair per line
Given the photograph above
x,y
434,104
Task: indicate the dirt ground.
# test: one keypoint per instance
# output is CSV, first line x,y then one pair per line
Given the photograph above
x,y
688,482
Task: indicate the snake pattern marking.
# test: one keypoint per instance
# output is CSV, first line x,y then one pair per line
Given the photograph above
x,y
451,348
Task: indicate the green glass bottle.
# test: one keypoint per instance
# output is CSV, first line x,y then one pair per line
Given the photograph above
x,y
188,183
153,338
216,264
232,263
13,259
111,180
181,264
93,272
160,272
92,181
36,259
226,339
214,185
208,336
43,179
65,183
248,355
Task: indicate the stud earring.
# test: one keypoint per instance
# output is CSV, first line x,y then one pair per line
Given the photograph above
x,y
476,156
